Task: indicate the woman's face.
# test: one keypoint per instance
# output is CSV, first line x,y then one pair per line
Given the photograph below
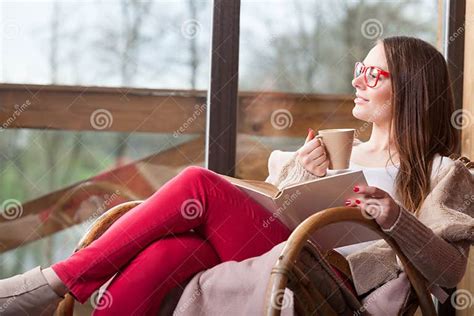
x,y
373,104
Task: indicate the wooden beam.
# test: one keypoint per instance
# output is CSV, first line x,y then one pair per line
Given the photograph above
x,y
467,283
468,93
101,109
222,95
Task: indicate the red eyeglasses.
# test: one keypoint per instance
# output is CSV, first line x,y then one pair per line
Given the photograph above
x,y
371,73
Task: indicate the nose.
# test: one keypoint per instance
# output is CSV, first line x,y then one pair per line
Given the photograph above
x,y
359,82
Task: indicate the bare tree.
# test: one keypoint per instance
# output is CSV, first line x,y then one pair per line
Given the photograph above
x,y
123,43
193,51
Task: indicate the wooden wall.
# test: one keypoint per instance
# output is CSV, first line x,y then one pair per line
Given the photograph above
x,y
468,139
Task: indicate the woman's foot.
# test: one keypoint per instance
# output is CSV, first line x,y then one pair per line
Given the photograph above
x,y
28,294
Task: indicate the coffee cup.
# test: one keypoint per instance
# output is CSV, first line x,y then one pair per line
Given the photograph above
x,y
338,143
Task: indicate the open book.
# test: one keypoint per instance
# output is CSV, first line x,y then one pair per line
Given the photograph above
x,y
294,203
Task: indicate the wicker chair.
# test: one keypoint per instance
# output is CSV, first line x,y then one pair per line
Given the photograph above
x,y
287,271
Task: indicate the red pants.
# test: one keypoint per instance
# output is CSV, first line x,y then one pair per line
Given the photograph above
x,y
153,250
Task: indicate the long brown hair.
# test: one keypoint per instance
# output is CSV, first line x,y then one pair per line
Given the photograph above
x,y
422,105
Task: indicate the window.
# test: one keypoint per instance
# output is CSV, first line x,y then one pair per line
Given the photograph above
x,y
296,67
94,86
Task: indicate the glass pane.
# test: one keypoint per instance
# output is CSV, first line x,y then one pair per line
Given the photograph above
x,y
125,44
298,59
153,44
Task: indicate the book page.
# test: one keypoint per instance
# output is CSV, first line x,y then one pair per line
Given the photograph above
x,y
256,186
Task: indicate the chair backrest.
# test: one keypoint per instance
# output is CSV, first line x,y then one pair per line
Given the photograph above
x,y
467,162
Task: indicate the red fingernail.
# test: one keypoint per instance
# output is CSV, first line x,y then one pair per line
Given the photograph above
x,y
357,201
309,130
347,202
356,189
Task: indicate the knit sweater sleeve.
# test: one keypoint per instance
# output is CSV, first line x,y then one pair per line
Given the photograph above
x,y
293,172
439,261
285,169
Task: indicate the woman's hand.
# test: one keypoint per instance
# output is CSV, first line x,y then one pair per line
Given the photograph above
x,y
377,203
312,155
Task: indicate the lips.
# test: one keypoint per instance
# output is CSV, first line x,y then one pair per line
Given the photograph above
x,y
360,100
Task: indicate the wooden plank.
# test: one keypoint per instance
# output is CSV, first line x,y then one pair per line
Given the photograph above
x,y
467,283
222,96
125,110
441,28
468,93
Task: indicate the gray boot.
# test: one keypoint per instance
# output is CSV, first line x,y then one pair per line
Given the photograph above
x,y
27,294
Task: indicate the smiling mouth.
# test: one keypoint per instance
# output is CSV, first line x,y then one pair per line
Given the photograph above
x,y
360,100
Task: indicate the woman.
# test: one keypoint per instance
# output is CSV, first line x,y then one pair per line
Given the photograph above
x,y
402,87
